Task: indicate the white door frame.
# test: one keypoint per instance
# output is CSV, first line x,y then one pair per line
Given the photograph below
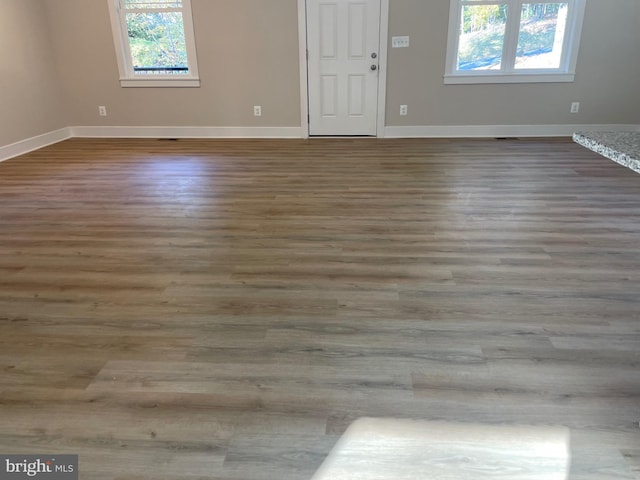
x,y
382,66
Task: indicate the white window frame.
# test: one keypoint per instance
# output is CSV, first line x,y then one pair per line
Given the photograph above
x,y
508,73
128,78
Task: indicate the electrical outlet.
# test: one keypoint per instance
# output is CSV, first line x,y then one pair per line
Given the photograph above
x,y
404,110
575,107
257,110
102,111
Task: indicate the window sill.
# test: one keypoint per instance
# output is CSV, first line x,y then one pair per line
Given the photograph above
x,y
160,82
462,79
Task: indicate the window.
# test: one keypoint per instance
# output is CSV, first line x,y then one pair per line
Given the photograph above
x,y
510,41
154,43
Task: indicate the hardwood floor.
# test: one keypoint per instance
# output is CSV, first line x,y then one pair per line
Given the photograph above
x,y
201,309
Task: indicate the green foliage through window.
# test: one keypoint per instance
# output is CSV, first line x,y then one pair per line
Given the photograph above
x,y
482,17
157,40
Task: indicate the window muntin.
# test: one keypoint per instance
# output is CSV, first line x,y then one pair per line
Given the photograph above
x,y
493,41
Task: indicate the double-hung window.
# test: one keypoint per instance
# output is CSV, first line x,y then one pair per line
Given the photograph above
x,y
154,42
511,41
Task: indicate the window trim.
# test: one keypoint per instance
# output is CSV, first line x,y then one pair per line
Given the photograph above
x,y
570,49
123,52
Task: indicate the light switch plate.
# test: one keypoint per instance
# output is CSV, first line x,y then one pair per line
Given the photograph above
x,y
399,42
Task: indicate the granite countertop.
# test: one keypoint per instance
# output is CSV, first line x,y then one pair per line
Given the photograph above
x,y
621,147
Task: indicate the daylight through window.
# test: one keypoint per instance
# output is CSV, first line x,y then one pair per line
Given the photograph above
x,y
154,40
513,40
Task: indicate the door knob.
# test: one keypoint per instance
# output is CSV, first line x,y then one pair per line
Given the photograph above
x,y
374,67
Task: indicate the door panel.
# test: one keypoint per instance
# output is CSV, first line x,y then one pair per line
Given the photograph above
x,y
328,31
357,98
357,31
343,36
329,95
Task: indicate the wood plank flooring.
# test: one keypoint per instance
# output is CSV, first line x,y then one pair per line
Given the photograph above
x,y
225,309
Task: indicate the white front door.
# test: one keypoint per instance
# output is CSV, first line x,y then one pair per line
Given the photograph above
x,y
343,37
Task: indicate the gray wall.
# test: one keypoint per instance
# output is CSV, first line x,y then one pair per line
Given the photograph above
x,y
247,55
30,98
59,65
607,79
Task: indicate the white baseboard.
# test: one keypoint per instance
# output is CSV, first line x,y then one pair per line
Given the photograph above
x,y
187,132
443,131
33,143
492,131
